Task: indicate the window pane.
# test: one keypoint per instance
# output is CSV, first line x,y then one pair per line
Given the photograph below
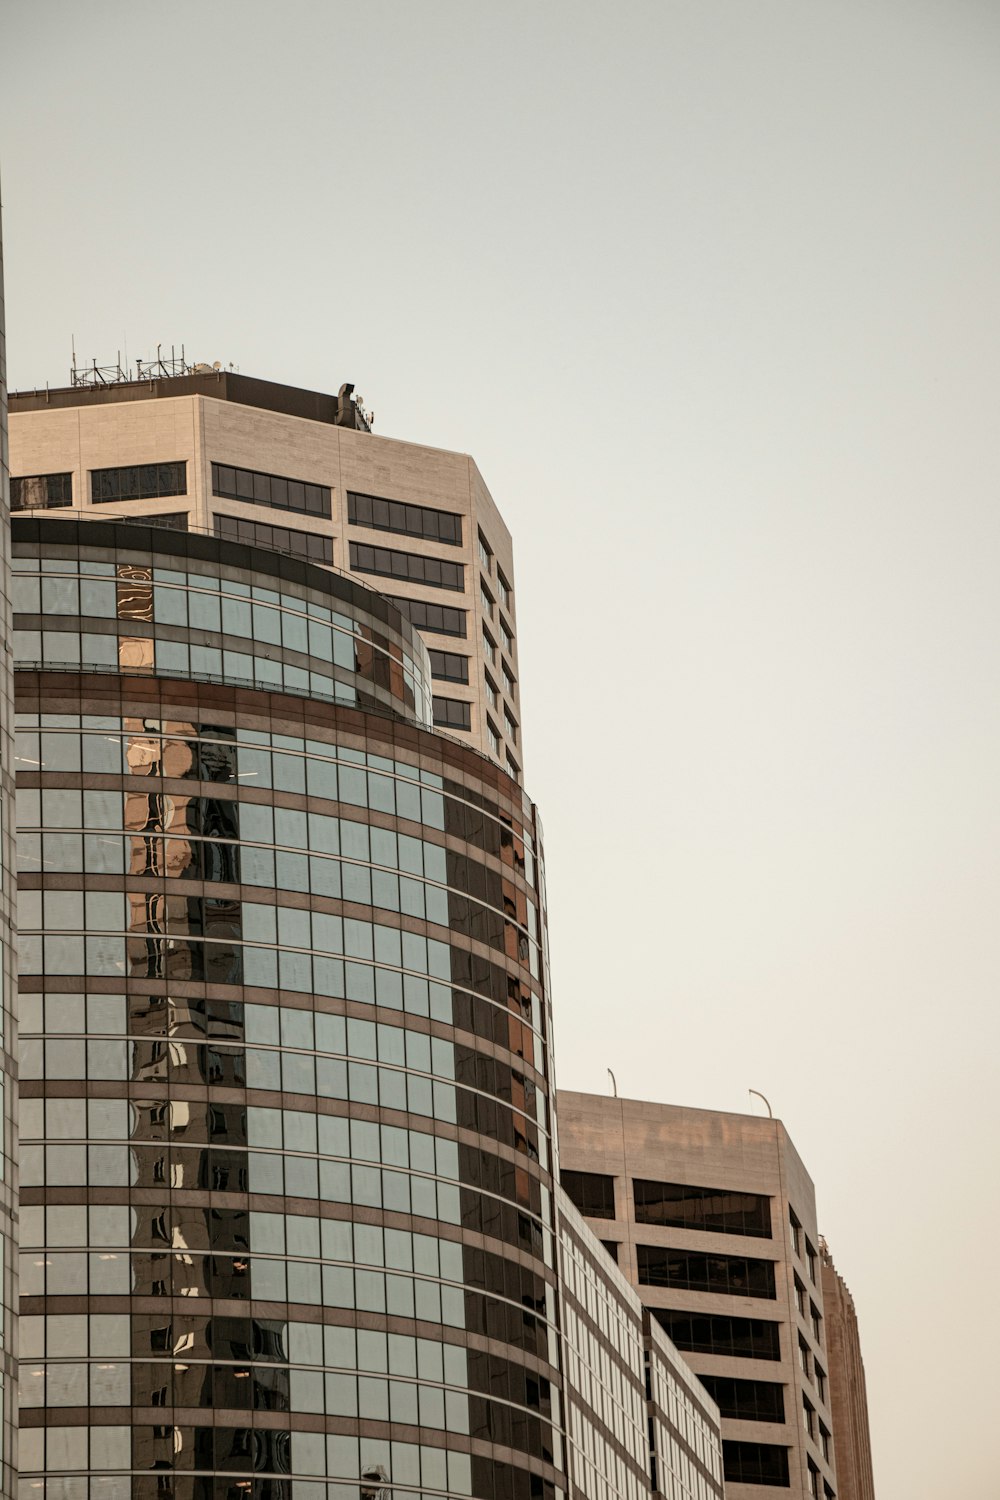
x,y
405,519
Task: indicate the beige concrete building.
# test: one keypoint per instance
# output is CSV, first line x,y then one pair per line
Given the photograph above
x,y
848,1391
712,1218
298,471
637,1419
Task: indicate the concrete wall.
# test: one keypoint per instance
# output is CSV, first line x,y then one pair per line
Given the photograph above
x,y
628,1139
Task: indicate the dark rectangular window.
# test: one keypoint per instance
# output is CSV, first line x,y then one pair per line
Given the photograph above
x,y
307,544
41,491
679,1206
407,520
441,619
611,1246
732,1275
746,1400
593,1193
735,1338
137,482
449,666
271,489
816,1323
388,563
451,713
755,1463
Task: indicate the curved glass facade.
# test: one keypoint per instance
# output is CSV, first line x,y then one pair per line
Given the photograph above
x,y
129,600
287,1216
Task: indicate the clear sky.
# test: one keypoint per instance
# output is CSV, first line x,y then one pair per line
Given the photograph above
x,y
710,291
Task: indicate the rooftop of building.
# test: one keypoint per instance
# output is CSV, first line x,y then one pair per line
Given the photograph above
x,y
598,1122
163,379
661,1108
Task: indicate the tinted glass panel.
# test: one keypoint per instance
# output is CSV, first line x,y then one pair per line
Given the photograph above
x,y
449,666
452,714
681,1206
750,1338
138,482
41,492
388,563
593,1193
442,619
755,1463
271,489
307,544
733,1275
746,1400
408,520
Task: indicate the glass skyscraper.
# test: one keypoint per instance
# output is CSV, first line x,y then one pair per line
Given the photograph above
x,y
287,1214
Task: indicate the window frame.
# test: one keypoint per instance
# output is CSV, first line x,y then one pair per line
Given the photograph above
x,y
163,486
303,497
405,518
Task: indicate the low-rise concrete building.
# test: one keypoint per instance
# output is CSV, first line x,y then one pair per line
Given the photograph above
x,y
713,1220
637,1419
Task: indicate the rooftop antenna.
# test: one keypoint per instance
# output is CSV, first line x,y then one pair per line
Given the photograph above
x,y
614,1085
754,1094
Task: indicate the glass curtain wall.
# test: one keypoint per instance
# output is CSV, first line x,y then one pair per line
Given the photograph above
x,y
286,1150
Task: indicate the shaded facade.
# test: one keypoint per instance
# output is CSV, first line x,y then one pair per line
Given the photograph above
x,y
8,974
713,1220
638,1421
848,1389
285,1174
299,472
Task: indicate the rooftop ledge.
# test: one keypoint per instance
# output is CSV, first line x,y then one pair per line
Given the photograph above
x,y
341,410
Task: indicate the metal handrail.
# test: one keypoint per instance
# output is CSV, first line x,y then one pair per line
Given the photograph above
x,y
98,512
107,669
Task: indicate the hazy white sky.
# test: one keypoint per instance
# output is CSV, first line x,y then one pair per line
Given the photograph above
x,y
710,292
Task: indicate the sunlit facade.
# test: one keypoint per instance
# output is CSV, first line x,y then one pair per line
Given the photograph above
x,y
288,1225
